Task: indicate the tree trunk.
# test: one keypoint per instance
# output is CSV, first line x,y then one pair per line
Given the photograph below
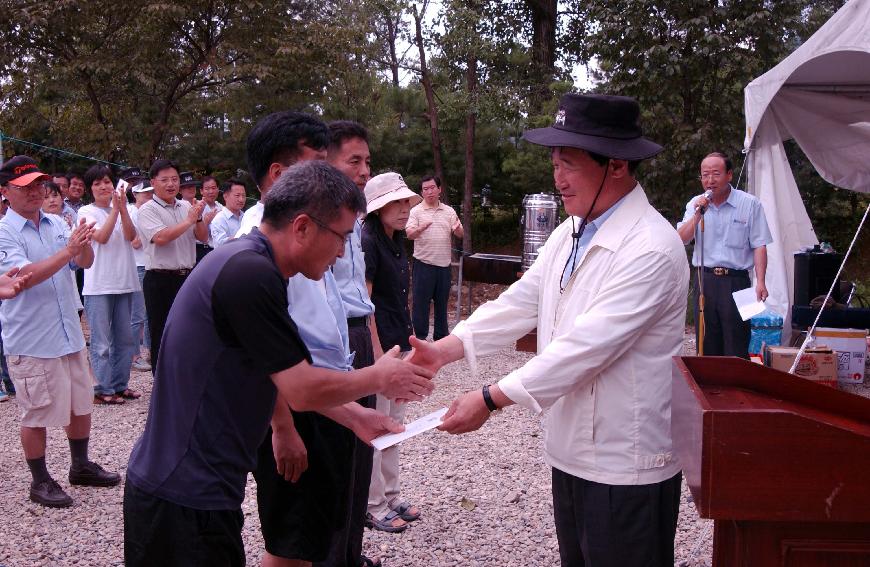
x,y
392,35
426,81
470,123
544,18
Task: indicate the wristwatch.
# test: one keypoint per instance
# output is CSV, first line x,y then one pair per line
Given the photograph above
x,y
487,399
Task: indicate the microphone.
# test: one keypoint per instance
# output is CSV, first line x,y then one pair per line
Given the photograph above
x,y
708,194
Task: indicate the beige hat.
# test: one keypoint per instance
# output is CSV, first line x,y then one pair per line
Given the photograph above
x,y
386,188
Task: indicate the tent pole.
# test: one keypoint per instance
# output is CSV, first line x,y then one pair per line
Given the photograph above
x,y
701,321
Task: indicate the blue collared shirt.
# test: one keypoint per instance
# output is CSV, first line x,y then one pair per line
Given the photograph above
x,y
317,310
584,240
224,226
731,231
350,275
41,321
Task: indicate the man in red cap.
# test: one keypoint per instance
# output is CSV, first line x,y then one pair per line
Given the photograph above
x,y
42,337
607,294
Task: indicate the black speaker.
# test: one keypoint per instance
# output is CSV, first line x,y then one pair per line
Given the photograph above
x,y
814,271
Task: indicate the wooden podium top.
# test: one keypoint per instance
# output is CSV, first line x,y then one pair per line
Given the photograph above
x,y
760,444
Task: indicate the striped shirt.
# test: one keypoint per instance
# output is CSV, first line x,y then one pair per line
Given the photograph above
x,y
432,246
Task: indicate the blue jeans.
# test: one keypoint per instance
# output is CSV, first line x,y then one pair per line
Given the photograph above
x,y
430,284
112,346
139,320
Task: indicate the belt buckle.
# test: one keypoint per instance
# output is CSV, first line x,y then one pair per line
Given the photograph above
x,y
183,272
720,271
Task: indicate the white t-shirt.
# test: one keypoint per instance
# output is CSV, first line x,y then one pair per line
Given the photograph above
x,y
250,219
138,254
114,269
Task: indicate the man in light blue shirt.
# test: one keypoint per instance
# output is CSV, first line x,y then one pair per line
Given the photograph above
x,y
42,337
348,151
735,240
229,219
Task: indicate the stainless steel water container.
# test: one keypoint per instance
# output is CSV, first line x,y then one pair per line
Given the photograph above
x,y
540,215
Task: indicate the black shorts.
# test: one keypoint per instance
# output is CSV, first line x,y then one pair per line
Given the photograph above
x,y
159,532
299,519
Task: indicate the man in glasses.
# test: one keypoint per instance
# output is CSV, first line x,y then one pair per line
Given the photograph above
x,y
735,239
42,336
169,229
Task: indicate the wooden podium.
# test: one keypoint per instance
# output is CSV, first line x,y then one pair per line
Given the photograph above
x,y
781,464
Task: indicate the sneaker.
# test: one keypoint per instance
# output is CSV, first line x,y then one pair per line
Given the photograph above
x,y
49,493
92,474
141,365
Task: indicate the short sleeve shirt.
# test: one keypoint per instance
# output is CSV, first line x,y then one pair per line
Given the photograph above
x,y
731,231
227,332
350,275
41,321
156,215
432,246
114,268
387,269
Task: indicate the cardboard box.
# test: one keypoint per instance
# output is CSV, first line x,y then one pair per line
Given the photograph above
x,y
851,348
817,364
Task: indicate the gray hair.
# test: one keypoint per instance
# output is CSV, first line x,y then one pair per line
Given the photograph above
x,y
314,188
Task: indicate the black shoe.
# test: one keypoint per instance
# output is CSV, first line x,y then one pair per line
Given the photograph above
x,y
49,493
92,474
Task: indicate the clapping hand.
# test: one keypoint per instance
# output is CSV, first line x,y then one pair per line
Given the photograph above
x,y
11,283
195,211
80,237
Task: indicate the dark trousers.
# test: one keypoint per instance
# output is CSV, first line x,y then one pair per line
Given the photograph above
x,y
201,251
159,290
430,283
725,333
346,547
159,532
604,525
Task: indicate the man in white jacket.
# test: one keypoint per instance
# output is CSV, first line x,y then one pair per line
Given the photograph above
x,y
607,294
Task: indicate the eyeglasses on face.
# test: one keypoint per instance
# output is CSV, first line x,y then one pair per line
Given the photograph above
x,y
321,224
713,175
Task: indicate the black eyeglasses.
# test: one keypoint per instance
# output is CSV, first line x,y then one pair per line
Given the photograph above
x,y
321,224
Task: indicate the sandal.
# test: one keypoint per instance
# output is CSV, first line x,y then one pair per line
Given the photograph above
x,y
387,524
406,511
366,562
129,394
108,399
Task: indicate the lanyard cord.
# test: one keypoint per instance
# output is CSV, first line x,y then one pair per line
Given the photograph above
x,y
575,244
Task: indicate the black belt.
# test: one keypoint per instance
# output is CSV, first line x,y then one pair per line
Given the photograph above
x,y
717,271
183,272
357,321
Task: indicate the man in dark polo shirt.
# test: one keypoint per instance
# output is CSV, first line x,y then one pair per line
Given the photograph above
x,y
213,398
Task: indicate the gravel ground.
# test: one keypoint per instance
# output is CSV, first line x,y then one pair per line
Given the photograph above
x,y
485,496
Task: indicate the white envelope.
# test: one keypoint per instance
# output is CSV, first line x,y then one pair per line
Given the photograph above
x,y
425,423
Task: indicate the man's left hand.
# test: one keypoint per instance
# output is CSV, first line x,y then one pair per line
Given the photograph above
x,y
467,413
761,291
371,424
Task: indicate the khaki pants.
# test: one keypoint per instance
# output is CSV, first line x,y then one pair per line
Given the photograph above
x,y
384,489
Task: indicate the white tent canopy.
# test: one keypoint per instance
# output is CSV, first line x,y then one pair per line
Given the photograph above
x,y
820,97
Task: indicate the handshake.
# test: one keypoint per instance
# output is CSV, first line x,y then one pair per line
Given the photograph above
x,y
409,379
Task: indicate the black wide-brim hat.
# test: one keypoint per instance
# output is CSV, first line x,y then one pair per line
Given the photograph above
x,y
602,124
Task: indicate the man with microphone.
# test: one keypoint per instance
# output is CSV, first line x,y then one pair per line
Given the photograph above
x,y
735,239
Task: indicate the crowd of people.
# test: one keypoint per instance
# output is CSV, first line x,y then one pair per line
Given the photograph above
x,y
306,348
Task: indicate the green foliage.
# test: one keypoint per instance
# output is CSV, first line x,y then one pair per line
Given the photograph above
x,y
132,79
